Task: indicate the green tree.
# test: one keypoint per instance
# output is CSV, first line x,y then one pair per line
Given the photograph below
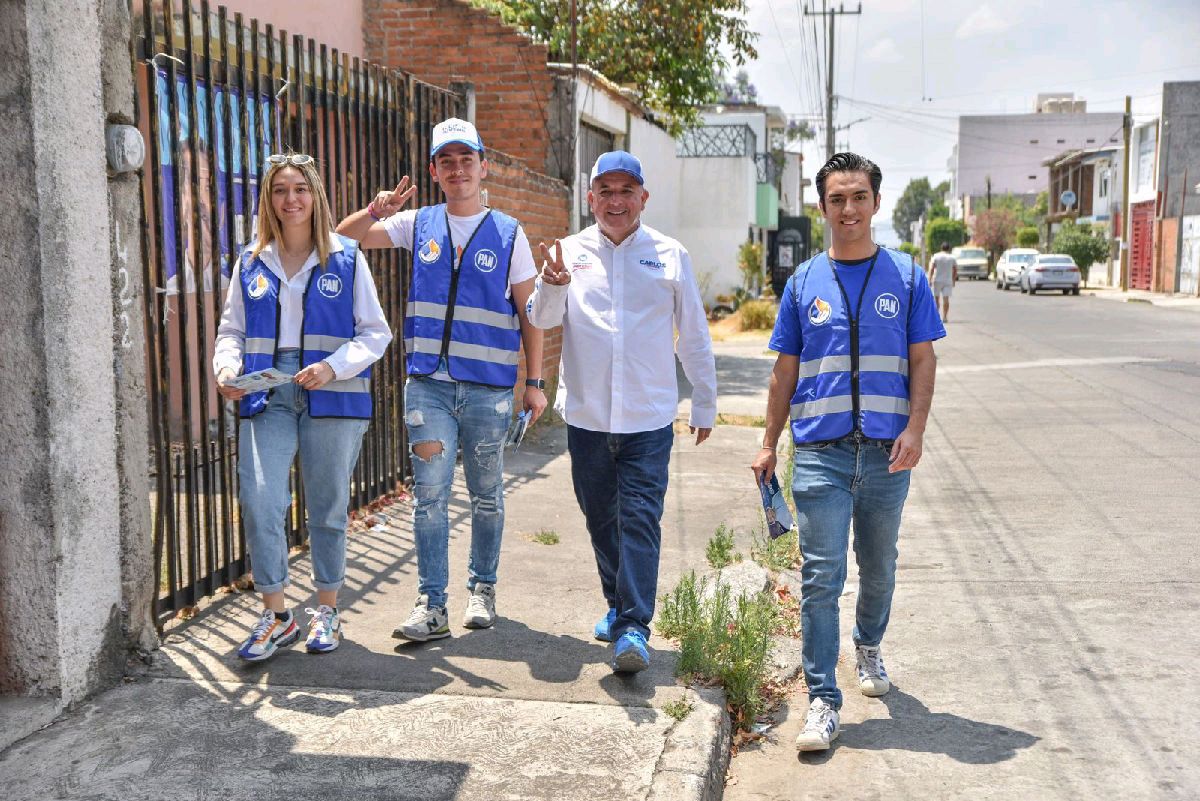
x,y
909,248
911,205
1028,237
944,230
817,232
750,264
1084,246
672,50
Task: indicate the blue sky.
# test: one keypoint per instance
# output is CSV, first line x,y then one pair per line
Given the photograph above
x,y
912,66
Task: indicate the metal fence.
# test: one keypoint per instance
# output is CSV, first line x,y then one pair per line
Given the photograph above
x,y
217,94
716,141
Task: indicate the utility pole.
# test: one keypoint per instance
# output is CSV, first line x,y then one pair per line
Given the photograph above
x,y
833,14
1126,224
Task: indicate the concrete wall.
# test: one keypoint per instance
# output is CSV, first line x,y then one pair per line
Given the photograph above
x,y
714,223
1010,148
1181,148
59,500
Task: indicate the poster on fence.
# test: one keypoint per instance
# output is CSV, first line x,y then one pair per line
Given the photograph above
x,y
236,181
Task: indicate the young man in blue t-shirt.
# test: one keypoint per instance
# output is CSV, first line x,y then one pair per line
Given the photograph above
x,y
854,335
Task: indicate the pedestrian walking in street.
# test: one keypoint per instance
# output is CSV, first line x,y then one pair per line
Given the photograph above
x,y
855,368
621,290
472,274
943,275
301,299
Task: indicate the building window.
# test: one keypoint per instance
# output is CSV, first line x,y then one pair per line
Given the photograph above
x,y
1091,141
1104,184
1060,141
593,142
1033,141
1033,177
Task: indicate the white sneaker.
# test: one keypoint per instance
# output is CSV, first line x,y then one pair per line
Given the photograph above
x,y
425,622
481,607
872,677
820,728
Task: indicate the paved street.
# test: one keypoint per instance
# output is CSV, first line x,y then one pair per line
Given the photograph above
x,y
1042,640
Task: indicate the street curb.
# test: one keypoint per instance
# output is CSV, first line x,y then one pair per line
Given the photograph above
x,y
696,753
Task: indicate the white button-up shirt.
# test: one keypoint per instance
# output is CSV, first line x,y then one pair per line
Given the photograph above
x,y
371,330
619,315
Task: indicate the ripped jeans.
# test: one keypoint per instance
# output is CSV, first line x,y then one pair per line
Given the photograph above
x,y
450,414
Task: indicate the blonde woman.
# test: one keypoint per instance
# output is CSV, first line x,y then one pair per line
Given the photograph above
x,y
301,300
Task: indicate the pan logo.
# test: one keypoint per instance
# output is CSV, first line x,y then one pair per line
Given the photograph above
x,y
329,285
486,261
258,287
819,312
430,251
887,305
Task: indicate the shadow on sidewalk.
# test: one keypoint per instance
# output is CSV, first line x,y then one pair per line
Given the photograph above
x,y
913,727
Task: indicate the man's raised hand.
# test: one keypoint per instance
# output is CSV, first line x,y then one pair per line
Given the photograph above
x,y
388,202
554,271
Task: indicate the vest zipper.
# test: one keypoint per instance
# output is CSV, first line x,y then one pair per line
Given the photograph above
x,y
453,295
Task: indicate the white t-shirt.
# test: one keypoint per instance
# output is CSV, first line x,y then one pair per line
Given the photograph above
x,y
943,268
400,229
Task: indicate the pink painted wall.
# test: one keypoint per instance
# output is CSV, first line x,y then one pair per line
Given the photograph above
x,y
333,22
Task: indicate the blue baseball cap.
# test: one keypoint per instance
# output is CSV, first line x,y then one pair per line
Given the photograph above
x,y
453,131
618,161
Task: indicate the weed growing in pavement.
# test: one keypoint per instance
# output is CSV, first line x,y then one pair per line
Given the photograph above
x,y
546,537
722,642
679,709
719,551
778,554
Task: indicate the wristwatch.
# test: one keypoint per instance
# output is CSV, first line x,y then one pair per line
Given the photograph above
x,y
536,383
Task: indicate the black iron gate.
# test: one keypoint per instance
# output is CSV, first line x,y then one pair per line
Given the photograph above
x,y
216,95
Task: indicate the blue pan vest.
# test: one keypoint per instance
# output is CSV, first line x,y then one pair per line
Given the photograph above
x,y
328,324
462,311
854,351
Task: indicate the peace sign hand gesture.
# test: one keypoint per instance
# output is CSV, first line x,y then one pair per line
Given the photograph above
x,y
387,203
554,271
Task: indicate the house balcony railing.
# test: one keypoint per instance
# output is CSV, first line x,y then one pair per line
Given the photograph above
x,y
716,141
768,168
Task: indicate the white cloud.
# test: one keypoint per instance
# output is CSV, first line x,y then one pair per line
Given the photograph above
x,y
885,51
982,21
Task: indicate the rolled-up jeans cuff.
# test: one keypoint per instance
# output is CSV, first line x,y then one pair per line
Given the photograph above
x,y
327,586
267,588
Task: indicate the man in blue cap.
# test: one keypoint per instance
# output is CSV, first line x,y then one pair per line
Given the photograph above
x,y
620,290
472,274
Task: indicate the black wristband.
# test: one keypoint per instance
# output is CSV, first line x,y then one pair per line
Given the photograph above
x,y
536,383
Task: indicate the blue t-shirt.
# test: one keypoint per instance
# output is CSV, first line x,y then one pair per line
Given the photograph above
x,y
924,322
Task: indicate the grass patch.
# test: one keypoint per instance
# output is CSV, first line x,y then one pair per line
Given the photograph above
x,y
719,551
778,554
545,537
679,709
751,420
722,642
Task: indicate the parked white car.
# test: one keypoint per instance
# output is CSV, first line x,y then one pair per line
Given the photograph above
x,y
1051,271
972,262
1012,265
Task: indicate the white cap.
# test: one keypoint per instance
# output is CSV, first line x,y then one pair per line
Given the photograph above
x,y
454,130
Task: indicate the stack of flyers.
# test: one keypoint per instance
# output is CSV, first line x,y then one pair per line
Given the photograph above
x,y
260,380
516,431
779,517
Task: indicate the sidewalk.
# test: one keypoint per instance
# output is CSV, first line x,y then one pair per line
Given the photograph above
x,y
526,710
1173,301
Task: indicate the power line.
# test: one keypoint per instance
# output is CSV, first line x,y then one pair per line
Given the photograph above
x,y
786,57
831,43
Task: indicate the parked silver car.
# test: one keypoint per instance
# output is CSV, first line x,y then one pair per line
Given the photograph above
x,y
1011,265
972,262
1051,271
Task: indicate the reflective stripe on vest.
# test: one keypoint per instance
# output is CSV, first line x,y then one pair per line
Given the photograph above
x,y
328,324
822,407
460,309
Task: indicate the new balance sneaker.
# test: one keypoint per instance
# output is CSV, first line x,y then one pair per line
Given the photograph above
x,y
872,677
324,629
268,636
425,622
603,629
481,607
821,727
630,654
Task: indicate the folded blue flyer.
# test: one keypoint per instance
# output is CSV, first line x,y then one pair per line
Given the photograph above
x,y
516,431
779,517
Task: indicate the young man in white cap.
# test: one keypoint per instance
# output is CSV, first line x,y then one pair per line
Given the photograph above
x,y
472,275
620,290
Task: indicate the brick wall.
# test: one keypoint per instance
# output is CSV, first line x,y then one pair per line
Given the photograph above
x,y
441,41
542,206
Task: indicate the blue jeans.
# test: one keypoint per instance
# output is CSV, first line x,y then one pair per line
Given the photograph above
x,y
620,482
833,484
475,416
267,444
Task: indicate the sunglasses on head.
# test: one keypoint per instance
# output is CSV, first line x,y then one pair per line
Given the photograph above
x,y
295,159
